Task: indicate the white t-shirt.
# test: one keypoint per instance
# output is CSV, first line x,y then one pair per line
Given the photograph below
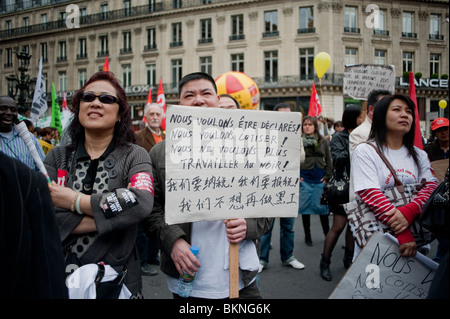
x,y
369,171
212,279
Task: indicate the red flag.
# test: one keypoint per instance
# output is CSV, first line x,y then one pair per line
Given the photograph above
x,y
64,103
106,65
412,94
149,101
161,101
314,103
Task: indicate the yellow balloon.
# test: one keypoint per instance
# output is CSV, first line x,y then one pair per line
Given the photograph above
x,y
442,104
322,62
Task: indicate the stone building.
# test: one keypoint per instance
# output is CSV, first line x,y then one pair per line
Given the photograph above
x,y
274,42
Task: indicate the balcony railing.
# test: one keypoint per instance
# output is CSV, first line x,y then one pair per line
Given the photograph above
x,y
205,40
381,32
306,30
175,44
436,37
352,30
102,53
409,35
235,37
91,18
150,47
268,34
81,56
126,50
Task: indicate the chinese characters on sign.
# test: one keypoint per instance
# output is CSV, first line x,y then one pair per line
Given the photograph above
x,y
223,164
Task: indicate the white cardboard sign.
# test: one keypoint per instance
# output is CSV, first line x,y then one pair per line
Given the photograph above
x,y
380,272
360,79
223,164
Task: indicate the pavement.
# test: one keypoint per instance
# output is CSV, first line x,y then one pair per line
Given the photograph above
x,y
283,282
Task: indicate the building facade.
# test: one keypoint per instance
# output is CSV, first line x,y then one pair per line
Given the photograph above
x,y
272,41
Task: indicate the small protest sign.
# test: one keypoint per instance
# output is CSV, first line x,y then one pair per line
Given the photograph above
x,y
380,272
223,164
360,79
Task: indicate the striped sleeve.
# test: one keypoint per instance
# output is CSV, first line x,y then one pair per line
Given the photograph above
x,y
377,202
413,209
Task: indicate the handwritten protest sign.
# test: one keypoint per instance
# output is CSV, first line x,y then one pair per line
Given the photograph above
x,y
223,164
380,272
360,79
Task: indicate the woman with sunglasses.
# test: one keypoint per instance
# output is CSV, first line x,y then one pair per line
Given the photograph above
x,y
102,184
393,132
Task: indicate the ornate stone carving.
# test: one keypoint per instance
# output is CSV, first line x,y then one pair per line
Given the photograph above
x,y
423,15
323,6
395,12
253,15
337,7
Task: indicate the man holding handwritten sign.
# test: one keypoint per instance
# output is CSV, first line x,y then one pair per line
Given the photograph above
x,y
208,194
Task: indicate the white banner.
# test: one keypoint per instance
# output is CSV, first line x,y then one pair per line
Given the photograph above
x,y
39,105
223,163
360,79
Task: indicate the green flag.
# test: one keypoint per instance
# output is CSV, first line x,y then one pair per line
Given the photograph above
x,y
56,112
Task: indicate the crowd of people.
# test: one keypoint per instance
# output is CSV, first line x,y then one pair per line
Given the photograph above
x,y
106,200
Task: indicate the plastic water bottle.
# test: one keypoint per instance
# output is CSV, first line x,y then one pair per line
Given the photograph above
x,y
186,282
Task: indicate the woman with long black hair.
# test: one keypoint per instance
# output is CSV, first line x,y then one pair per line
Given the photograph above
x,y
393,132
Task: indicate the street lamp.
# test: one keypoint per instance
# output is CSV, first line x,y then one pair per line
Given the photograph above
x,y
23,85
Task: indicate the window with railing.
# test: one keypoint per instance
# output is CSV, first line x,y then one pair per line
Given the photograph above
x,y
237,27
408,25
126,42
62,51
82,51
177,33
177,4
205,31
103,46
151,39
350,19
104,11
380,23
9,58
44,52
306,23
435,27
270,23
127,7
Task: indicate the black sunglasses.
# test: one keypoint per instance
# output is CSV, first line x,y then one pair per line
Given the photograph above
x,y
103,98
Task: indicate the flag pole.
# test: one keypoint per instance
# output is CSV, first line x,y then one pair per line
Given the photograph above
x,y
323,108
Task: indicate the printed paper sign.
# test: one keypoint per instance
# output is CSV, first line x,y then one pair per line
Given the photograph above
x,y
360,79
223,163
